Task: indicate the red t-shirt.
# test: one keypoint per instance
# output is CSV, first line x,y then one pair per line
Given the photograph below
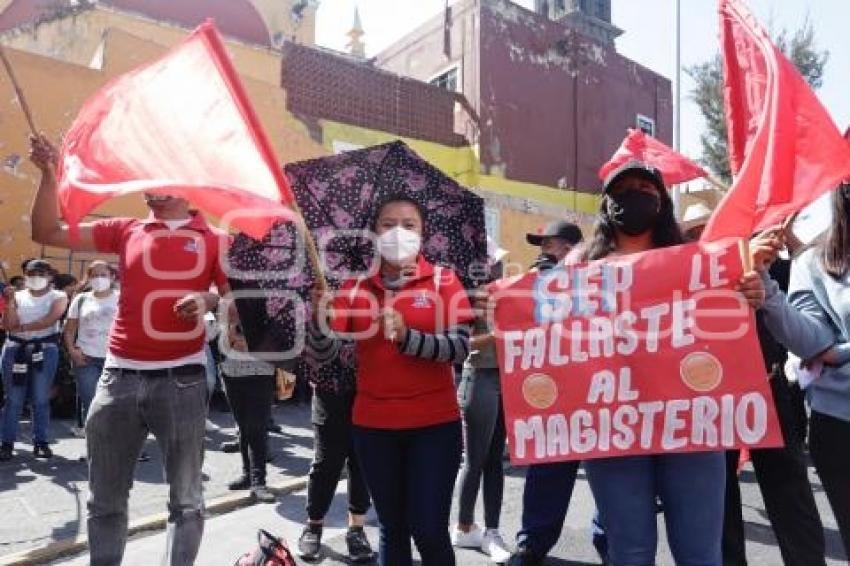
x,y
395,390
159,267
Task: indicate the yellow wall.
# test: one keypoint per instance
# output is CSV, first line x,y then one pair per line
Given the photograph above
x,y
77,39
278,17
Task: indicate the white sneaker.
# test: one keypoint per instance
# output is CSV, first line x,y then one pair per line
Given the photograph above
x,y
493,545
472,539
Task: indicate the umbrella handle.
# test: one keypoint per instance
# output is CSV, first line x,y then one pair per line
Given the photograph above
x,y
312,251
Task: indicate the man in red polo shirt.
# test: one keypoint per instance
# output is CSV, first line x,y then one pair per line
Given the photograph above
x,y
153,378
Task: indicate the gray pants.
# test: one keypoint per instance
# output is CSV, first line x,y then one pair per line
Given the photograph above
x,y
126,406
479,395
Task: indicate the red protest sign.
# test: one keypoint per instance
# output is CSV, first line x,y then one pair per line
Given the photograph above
x,y
639,354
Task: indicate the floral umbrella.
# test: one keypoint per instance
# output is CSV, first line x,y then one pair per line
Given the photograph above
x,y
338,196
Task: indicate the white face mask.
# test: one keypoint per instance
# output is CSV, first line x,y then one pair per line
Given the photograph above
x,y
36,282
399,244
99,284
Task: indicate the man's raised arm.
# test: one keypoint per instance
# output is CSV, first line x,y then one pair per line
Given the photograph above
x,y
46,227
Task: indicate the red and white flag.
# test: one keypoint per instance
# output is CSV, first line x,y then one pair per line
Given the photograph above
x,y
784,148
182,126
675,168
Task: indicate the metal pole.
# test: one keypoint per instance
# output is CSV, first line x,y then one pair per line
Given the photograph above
x,y
677,92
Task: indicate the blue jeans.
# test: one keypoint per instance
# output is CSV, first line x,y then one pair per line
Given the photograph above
x,y
545,499
87,377
411,474
40,381
691,488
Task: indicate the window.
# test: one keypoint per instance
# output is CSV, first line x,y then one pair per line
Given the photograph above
x,y
343,146
559,7
492,222
603,10
449,80
646,124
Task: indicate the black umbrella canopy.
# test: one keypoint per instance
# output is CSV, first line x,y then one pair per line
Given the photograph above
x,y
338,196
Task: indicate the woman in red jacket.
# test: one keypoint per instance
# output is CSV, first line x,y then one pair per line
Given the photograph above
x,y
409,321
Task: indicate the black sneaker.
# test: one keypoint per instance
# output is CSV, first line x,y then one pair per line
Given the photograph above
x,y
524,558
243,482
262,494
229,446
359,549
42,450
310,542
274,427
5,452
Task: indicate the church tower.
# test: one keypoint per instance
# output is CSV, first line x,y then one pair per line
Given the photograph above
x,y
356,46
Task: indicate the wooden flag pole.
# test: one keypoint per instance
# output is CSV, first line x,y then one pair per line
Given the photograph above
x,y
744,250
18,92
312,250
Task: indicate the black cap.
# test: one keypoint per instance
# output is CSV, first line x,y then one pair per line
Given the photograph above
x,y
638,168
38,265
558,229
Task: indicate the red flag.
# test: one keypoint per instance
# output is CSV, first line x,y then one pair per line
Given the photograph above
x,y
183,126
784,148
675,168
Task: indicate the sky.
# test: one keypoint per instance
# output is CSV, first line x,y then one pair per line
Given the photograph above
x,y
648,38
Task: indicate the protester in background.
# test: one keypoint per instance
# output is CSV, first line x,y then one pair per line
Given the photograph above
x,y
249,384
86,331
782,473
636,215
333,401
66,283
17,281
149,383
548,487
30,355
555,241
410,324
814,324
480,399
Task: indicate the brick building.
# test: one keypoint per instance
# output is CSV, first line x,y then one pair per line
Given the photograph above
x,y
553,98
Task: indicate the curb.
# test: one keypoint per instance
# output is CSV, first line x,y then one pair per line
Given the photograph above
x,y
156,522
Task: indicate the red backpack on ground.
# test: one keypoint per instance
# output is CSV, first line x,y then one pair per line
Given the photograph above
x,y
270,551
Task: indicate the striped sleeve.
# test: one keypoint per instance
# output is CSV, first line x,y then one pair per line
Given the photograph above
x,y
320,346
449,346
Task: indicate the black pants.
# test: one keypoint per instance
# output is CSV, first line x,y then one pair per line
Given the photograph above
x,y
411,475
334,449
829,442
250,400
786,491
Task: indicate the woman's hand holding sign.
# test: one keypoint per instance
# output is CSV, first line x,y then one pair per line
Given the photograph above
x,y
751,287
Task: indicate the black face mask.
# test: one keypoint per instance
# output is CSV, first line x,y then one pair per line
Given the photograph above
x,y
544,262
632,211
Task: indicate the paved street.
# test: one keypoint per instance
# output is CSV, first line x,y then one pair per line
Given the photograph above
x,y
41,502
45,501
231,534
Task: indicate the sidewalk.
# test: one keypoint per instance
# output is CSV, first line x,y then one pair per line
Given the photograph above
x,y
44,501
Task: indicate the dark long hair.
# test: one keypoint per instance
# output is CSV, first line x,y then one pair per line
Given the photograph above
x,y
604,240
834,251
